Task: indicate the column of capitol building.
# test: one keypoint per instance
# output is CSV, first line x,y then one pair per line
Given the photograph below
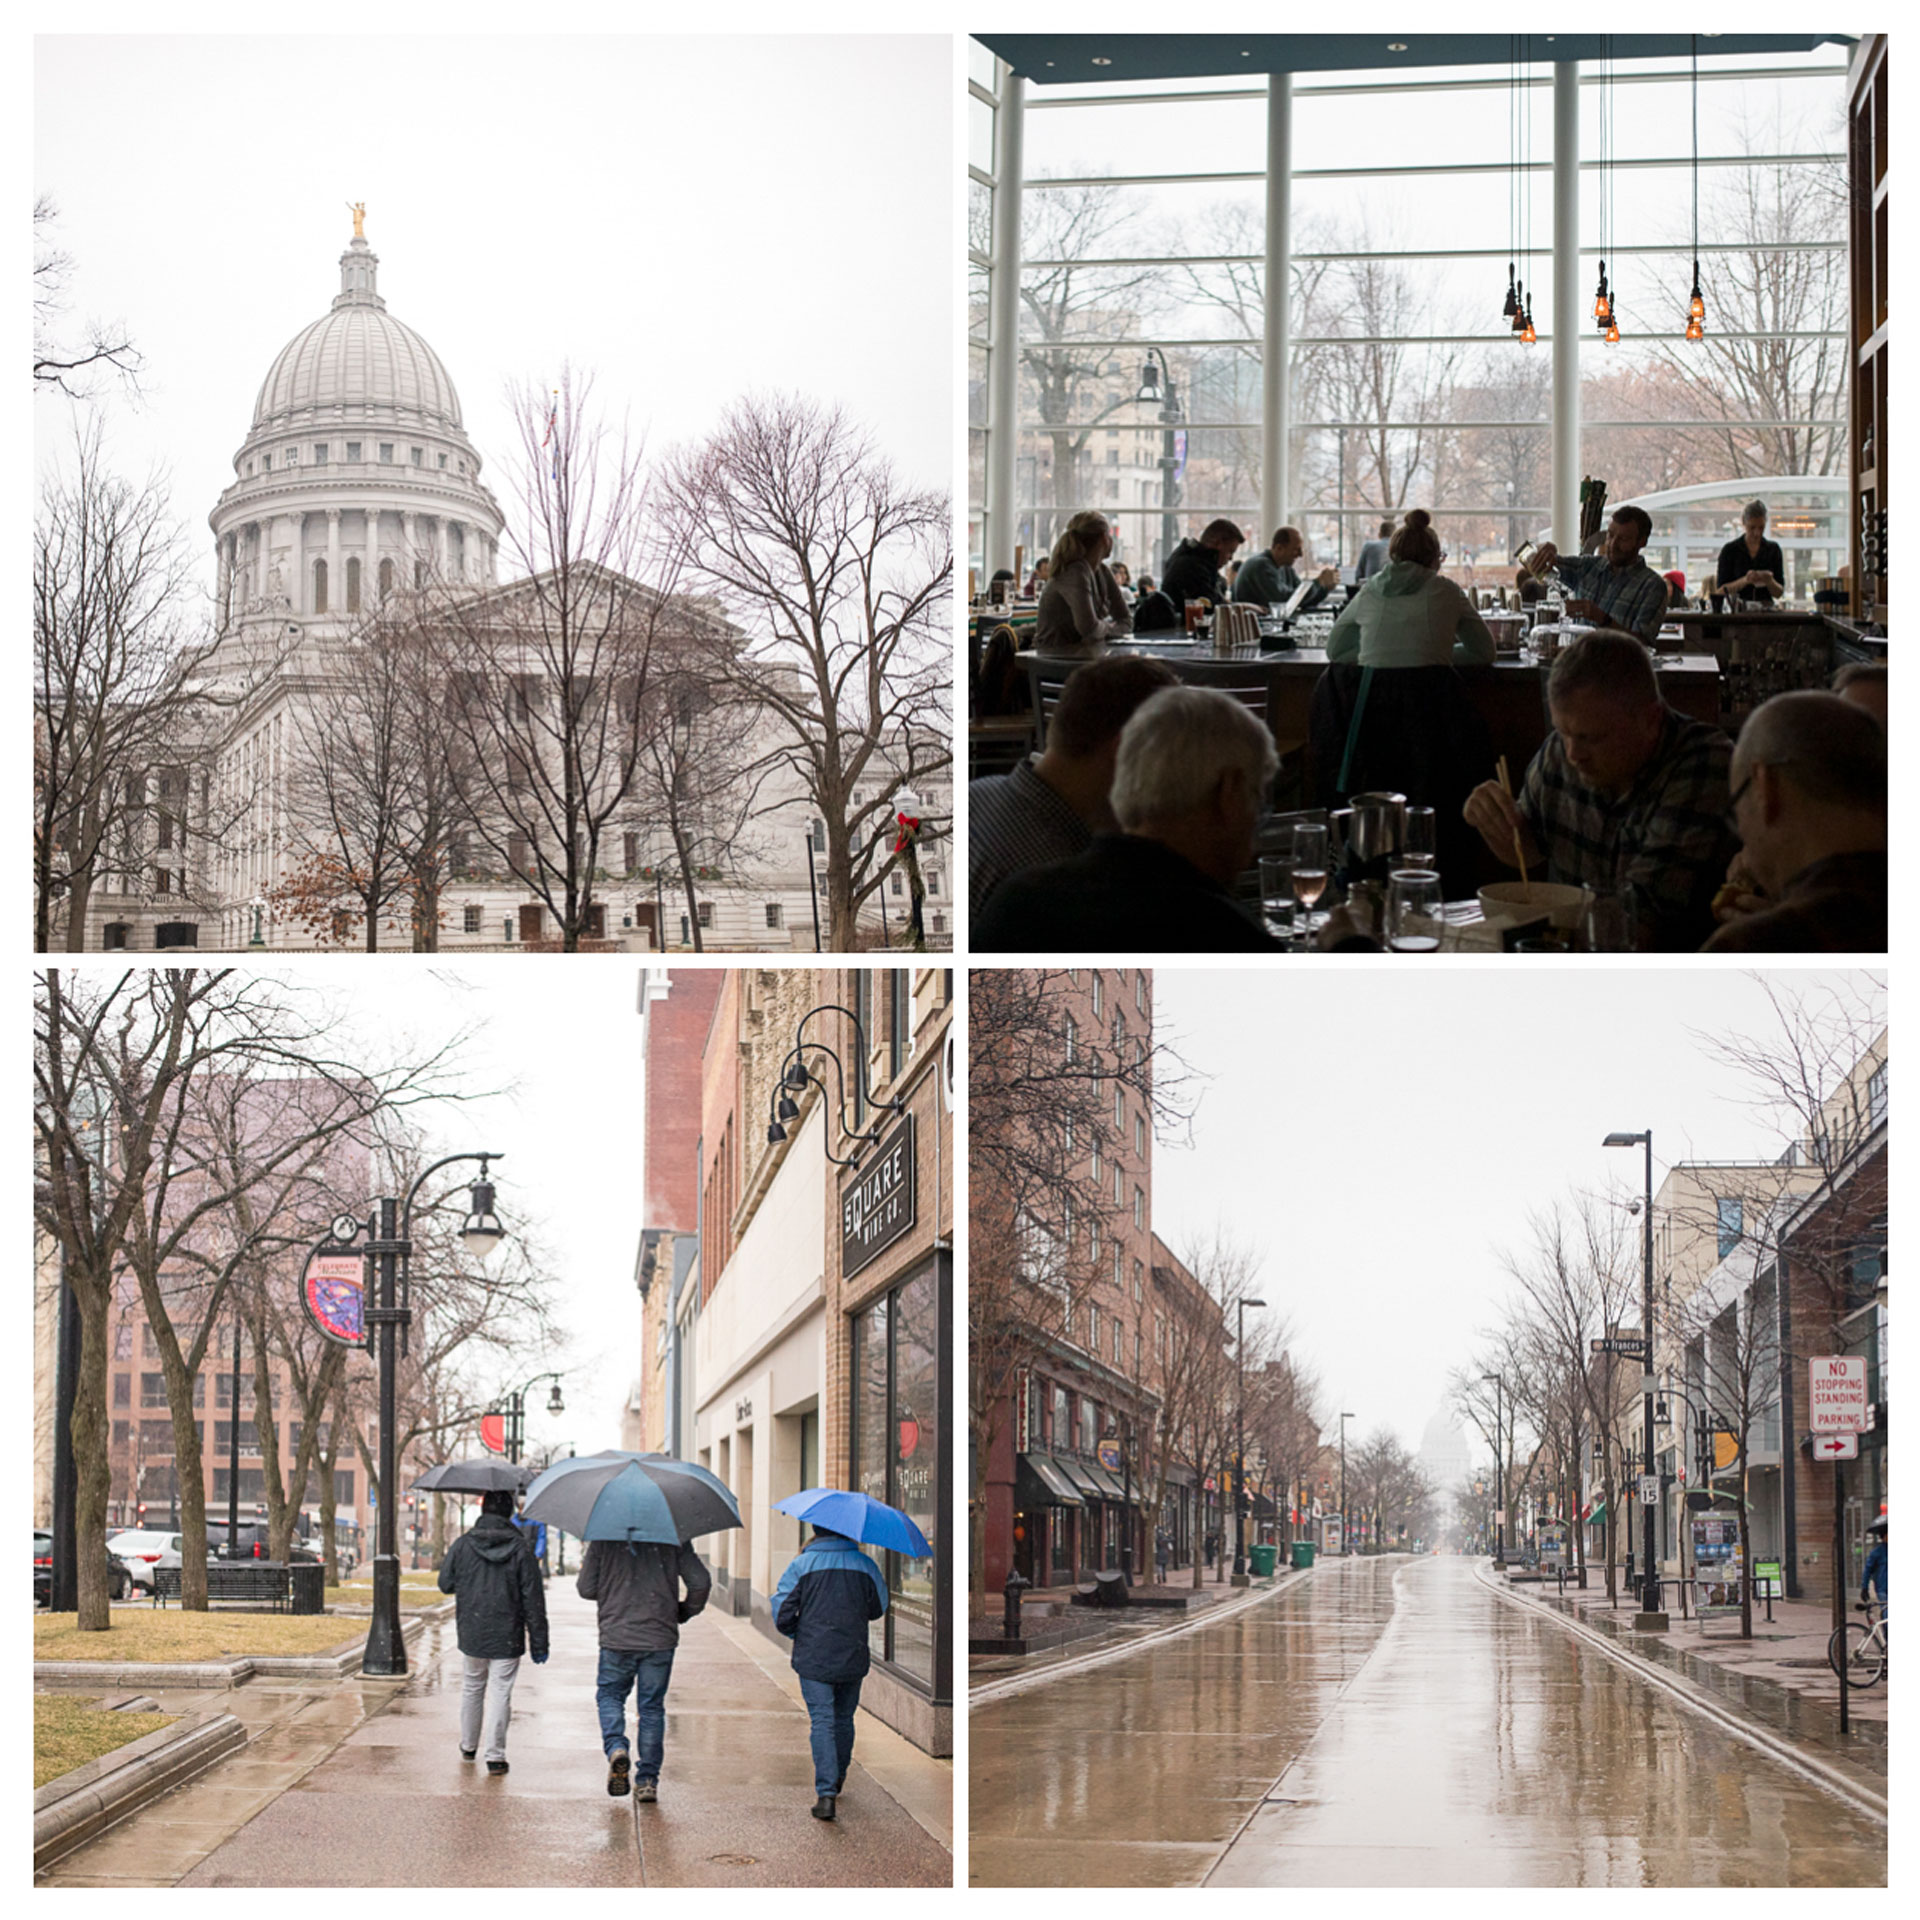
x,y
304,544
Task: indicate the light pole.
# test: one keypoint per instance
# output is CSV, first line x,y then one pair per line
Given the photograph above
x,y
1345,1545
515,1406
1652,1617
1499,1468
1240,1444
388,1234
1169,405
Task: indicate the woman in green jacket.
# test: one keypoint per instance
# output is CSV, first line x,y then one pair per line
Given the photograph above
x,y
1409,614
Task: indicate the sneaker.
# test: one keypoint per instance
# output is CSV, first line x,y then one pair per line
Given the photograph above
x,y
823,1807
496,1766
619,1772
469,1753
646,1790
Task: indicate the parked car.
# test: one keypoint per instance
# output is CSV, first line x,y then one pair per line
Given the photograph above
x,y
120,1582
143,1549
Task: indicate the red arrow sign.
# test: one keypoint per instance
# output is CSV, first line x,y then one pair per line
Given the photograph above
x,y
1837,1446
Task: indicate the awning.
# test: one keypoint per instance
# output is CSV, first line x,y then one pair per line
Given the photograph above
x,y
1113,1486
1081,1475
1039,1482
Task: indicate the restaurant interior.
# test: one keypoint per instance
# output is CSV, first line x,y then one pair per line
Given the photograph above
x,y
1532,280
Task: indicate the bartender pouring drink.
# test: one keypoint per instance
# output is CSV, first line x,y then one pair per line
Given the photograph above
x,y
1614,587
1751,567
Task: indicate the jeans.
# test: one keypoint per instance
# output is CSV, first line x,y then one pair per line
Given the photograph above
x,y
486,1704
830,1709
647,1675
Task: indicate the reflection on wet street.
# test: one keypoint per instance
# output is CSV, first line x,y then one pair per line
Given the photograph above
x,y
1387,1723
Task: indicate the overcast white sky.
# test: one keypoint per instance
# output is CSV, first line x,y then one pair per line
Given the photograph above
x,y
690,218
1383,1133
570,1130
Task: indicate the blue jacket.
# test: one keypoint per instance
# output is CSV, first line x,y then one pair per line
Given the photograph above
x,y
825,1598
1874,1573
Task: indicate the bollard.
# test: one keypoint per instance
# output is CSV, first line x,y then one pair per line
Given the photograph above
x,y
1015,1587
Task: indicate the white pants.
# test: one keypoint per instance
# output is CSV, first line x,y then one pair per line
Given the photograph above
x,y
488,1693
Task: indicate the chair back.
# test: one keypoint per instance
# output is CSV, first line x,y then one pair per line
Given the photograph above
x,y
1048,678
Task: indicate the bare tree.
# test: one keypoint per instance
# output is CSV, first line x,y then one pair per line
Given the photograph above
x,y
70,366
840,573
115,696
1392,1487
1040,1104
550,675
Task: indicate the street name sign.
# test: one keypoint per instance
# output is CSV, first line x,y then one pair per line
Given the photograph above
x,y
1621,1344
1836,1446
1838,1400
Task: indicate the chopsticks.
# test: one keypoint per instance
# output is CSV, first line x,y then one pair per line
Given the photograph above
x,y
1519,855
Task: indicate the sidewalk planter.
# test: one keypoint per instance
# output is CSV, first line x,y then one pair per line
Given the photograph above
x,y
1302,1553
1261,1559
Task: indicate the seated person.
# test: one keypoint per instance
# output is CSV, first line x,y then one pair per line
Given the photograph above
x,y
1676,587
1050,806
1037,585
1863,683
1625,796
1187,788
1614,587
1193,568
1409,614
1810,806
1268,579
1146,583
1000,574
1122,575
1082,607
1373,555
1751,567
1002,691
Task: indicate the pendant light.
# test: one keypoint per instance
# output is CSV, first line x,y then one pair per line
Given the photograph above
x,y
1511,310
1606,306
1696,307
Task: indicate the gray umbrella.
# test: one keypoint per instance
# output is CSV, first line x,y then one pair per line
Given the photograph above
x,y
473,1476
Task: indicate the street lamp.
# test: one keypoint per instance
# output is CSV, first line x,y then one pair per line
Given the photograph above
x,y
515,1407
1124,1435
388,1232
1168,401
1652,1617
796,1076
1240,1445
1499,1468
1346,1546
259,906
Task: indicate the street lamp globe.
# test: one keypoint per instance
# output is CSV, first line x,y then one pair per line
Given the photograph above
x,y
481,1231
555,1404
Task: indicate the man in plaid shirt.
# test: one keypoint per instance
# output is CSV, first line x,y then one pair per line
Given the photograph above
x,y
1615,587
1626,797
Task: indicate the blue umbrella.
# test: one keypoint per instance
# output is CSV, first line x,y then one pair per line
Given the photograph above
x,y
860,1517
631,1496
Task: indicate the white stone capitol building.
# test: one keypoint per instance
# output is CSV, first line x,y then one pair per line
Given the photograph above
x,y
356,479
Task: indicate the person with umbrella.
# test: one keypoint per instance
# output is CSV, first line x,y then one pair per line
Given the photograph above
x,y
637,1513
825,1599
499,1607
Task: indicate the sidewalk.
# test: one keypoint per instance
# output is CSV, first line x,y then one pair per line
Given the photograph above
x,y
381,1796
1779,1679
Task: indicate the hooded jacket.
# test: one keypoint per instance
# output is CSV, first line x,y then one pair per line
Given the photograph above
x,y
495,1581
636,1587
1408,615
825,1598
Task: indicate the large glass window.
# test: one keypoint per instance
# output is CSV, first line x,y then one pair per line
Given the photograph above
x,y
1143,224
896,1347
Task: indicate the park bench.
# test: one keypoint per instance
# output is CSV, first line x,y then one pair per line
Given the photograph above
x,y
255,1581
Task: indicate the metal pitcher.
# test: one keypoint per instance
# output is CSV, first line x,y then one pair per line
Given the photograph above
x,y
1374,833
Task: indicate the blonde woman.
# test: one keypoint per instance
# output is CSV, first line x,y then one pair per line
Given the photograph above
x,y
1082,607
1410,614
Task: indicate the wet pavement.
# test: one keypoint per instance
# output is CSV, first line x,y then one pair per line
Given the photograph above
x,y
1387,1722
365,1786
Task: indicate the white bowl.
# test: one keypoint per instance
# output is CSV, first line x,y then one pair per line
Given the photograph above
x,y
1507,901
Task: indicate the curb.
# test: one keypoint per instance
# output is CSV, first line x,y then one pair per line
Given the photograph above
x,y
227,1674
1687,1691
80,1805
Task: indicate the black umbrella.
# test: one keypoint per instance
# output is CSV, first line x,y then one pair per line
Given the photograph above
x,y
473,1476
632,1496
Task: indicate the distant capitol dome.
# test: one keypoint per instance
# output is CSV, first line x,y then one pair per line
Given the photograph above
x,y
356,478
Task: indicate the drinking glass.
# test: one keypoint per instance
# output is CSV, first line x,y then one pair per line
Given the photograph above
x,y
1309,873
1417,844
1413,910
1276,893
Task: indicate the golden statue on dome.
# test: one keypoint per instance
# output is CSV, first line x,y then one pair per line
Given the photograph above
x,y
358,208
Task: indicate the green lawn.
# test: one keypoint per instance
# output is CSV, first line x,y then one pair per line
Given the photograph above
x,y
165,1633
67,1733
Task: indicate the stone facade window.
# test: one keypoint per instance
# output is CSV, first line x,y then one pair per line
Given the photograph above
x,y
386,453
353,449
470,920
320,454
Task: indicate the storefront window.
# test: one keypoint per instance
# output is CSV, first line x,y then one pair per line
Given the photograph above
x,y
896,1454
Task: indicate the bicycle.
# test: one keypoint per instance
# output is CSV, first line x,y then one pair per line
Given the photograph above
x,y
1857,1650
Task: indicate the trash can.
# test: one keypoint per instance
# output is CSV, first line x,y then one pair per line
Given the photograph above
x,y
1303,1553
307,1588
1260,1557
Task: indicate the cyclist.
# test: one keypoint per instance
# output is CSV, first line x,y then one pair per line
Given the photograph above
x,y
1873,1576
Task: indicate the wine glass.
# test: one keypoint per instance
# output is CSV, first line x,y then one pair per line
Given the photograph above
x,y
1309,873
1276,893
1417,842
1413,910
